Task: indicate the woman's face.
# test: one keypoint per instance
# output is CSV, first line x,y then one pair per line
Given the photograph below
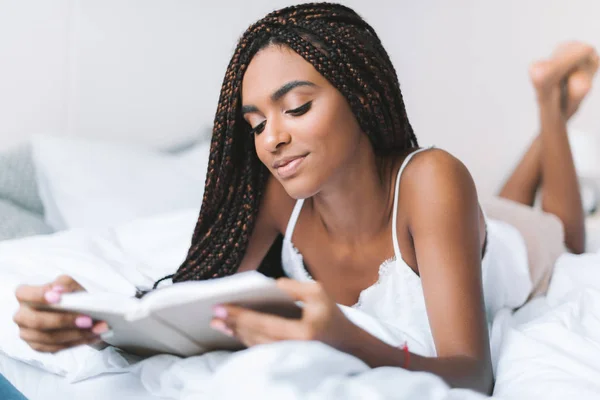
x,y
304,129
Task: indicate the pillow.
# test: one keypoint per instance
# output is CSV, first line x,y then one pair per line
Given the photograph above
x,y
21,209
543,234
87,183
17,180
17,222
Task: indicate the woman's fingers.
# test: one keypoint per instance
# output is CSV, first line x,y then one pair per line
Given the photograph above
x,y
68,283
48,293
241,321
46,330
254,327
56,337
33,294
100,327
53,348
246,334
28,317
302,291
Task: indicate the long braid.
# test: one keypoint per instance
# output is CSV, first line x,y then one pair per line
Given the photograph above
x,y
347,52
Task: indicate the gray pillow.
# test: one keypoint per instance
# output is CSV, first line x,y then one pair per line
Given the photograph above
x,y
17,222
21,209
17,179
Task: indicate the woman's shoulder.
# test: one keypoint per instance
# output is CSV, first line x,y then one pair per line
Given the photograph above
x,y
427,158
434,176
431,166
438,197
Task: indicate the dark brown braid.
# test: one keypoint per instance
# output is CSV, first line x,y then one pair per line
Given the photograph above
x,y
347,52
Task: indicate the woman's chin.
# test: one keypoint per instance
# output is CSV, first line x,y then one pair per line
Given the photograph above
x,y
297,189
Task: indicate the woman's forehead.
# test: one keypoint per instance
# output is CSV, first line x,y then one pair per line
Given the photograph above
x,y
273,67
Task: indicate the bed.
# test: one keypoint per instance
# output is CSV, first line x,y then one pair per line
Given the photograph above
x,y
550,348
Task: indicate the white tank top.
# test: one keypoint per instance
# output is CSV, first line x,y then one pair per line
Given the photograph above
x,y
397,299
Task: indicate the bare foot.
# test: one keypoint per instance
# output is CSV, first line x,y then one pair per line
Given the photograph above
x,y
570,70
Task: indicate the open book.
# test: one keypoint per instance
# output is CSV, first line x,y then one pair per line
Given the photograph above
x,y
175,319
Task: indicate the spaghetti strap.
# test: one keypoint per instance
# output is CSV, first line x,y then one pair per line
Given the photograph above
x,y
293,219
396,190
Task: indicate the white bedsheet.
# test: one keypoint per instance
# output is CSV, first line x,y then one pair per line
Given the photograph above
x,y
36,383
548,349
551,348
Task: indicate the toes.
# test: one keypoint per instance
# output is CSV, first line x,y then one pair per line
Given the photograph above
x,y
578,61
591,65
540,75
580,83
573,50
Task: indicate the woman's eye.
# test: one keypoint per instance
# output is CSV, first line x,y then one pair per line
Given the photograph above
x,y
295,112
258,129
300,110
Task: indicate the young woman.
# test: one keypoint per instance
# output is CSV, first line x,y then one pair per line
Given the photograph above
x,y
315,168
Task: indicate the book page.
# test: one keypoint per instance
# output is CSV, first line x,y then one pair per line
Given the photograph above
x,y
97,303
184,292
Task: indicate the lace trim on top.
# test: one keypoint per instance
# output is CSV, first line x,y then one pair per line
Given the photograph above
x,y
303,274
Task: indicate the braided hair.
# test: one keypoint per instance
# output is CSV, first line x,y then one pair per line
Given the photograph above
x,y
343,48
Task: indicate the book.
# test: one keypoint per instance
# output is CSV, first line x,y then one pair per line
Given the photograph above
x,y
175,319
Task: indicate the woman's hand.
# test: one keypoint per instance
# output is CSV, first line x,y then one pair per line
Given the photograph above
x,y
321,319
51,331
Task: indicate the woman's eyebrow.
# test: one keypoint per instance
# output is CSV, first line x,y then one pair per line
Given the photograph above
x,y
282,91
279,93
249,109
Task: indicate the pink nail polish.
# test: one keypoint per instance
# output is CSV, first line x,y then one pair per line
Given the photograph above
x,y
220,312
52,297
58,288
100,329
83,322
221,327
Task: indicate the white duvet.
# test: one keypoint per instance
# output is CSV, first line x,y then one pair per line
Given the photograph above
x,y
548,349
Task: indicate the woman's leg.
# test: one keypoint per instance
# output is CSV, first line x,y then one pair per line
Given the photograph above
x,y
525,180
548,164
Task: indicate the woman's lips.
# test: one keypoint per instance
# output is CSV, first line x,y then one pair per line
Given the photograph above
x,y
289,168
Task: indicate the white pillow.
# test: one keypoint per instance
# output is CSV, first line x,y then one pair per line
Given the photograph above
x,y
87,183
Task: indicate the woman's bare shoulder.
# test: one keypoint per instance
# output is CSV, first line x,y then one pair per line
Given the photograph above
x,y
435,178
437,169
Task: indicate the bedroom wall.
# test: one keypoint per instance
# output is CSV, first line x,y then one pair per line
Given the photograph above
x,y
33,67
149,71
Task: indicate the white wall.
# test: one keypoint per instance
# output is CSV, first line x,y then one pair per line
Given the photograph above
x,y
150,71
33,67
463,71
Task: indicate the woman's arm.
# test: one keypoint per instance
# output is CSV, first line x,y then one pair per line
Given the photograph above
x,y
439,195
440,198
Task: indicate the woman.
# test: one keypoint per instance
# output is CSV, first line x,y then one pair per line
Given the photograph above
x,y
311,142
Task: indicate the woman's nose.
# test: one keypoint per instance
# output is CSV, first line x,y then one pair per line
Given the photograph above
x,y
276,136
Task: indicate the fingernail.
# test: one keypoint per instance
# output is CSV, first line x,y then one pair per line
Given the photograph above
x,y
100,329
83,322
52,297
58,288
220,312
220,326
